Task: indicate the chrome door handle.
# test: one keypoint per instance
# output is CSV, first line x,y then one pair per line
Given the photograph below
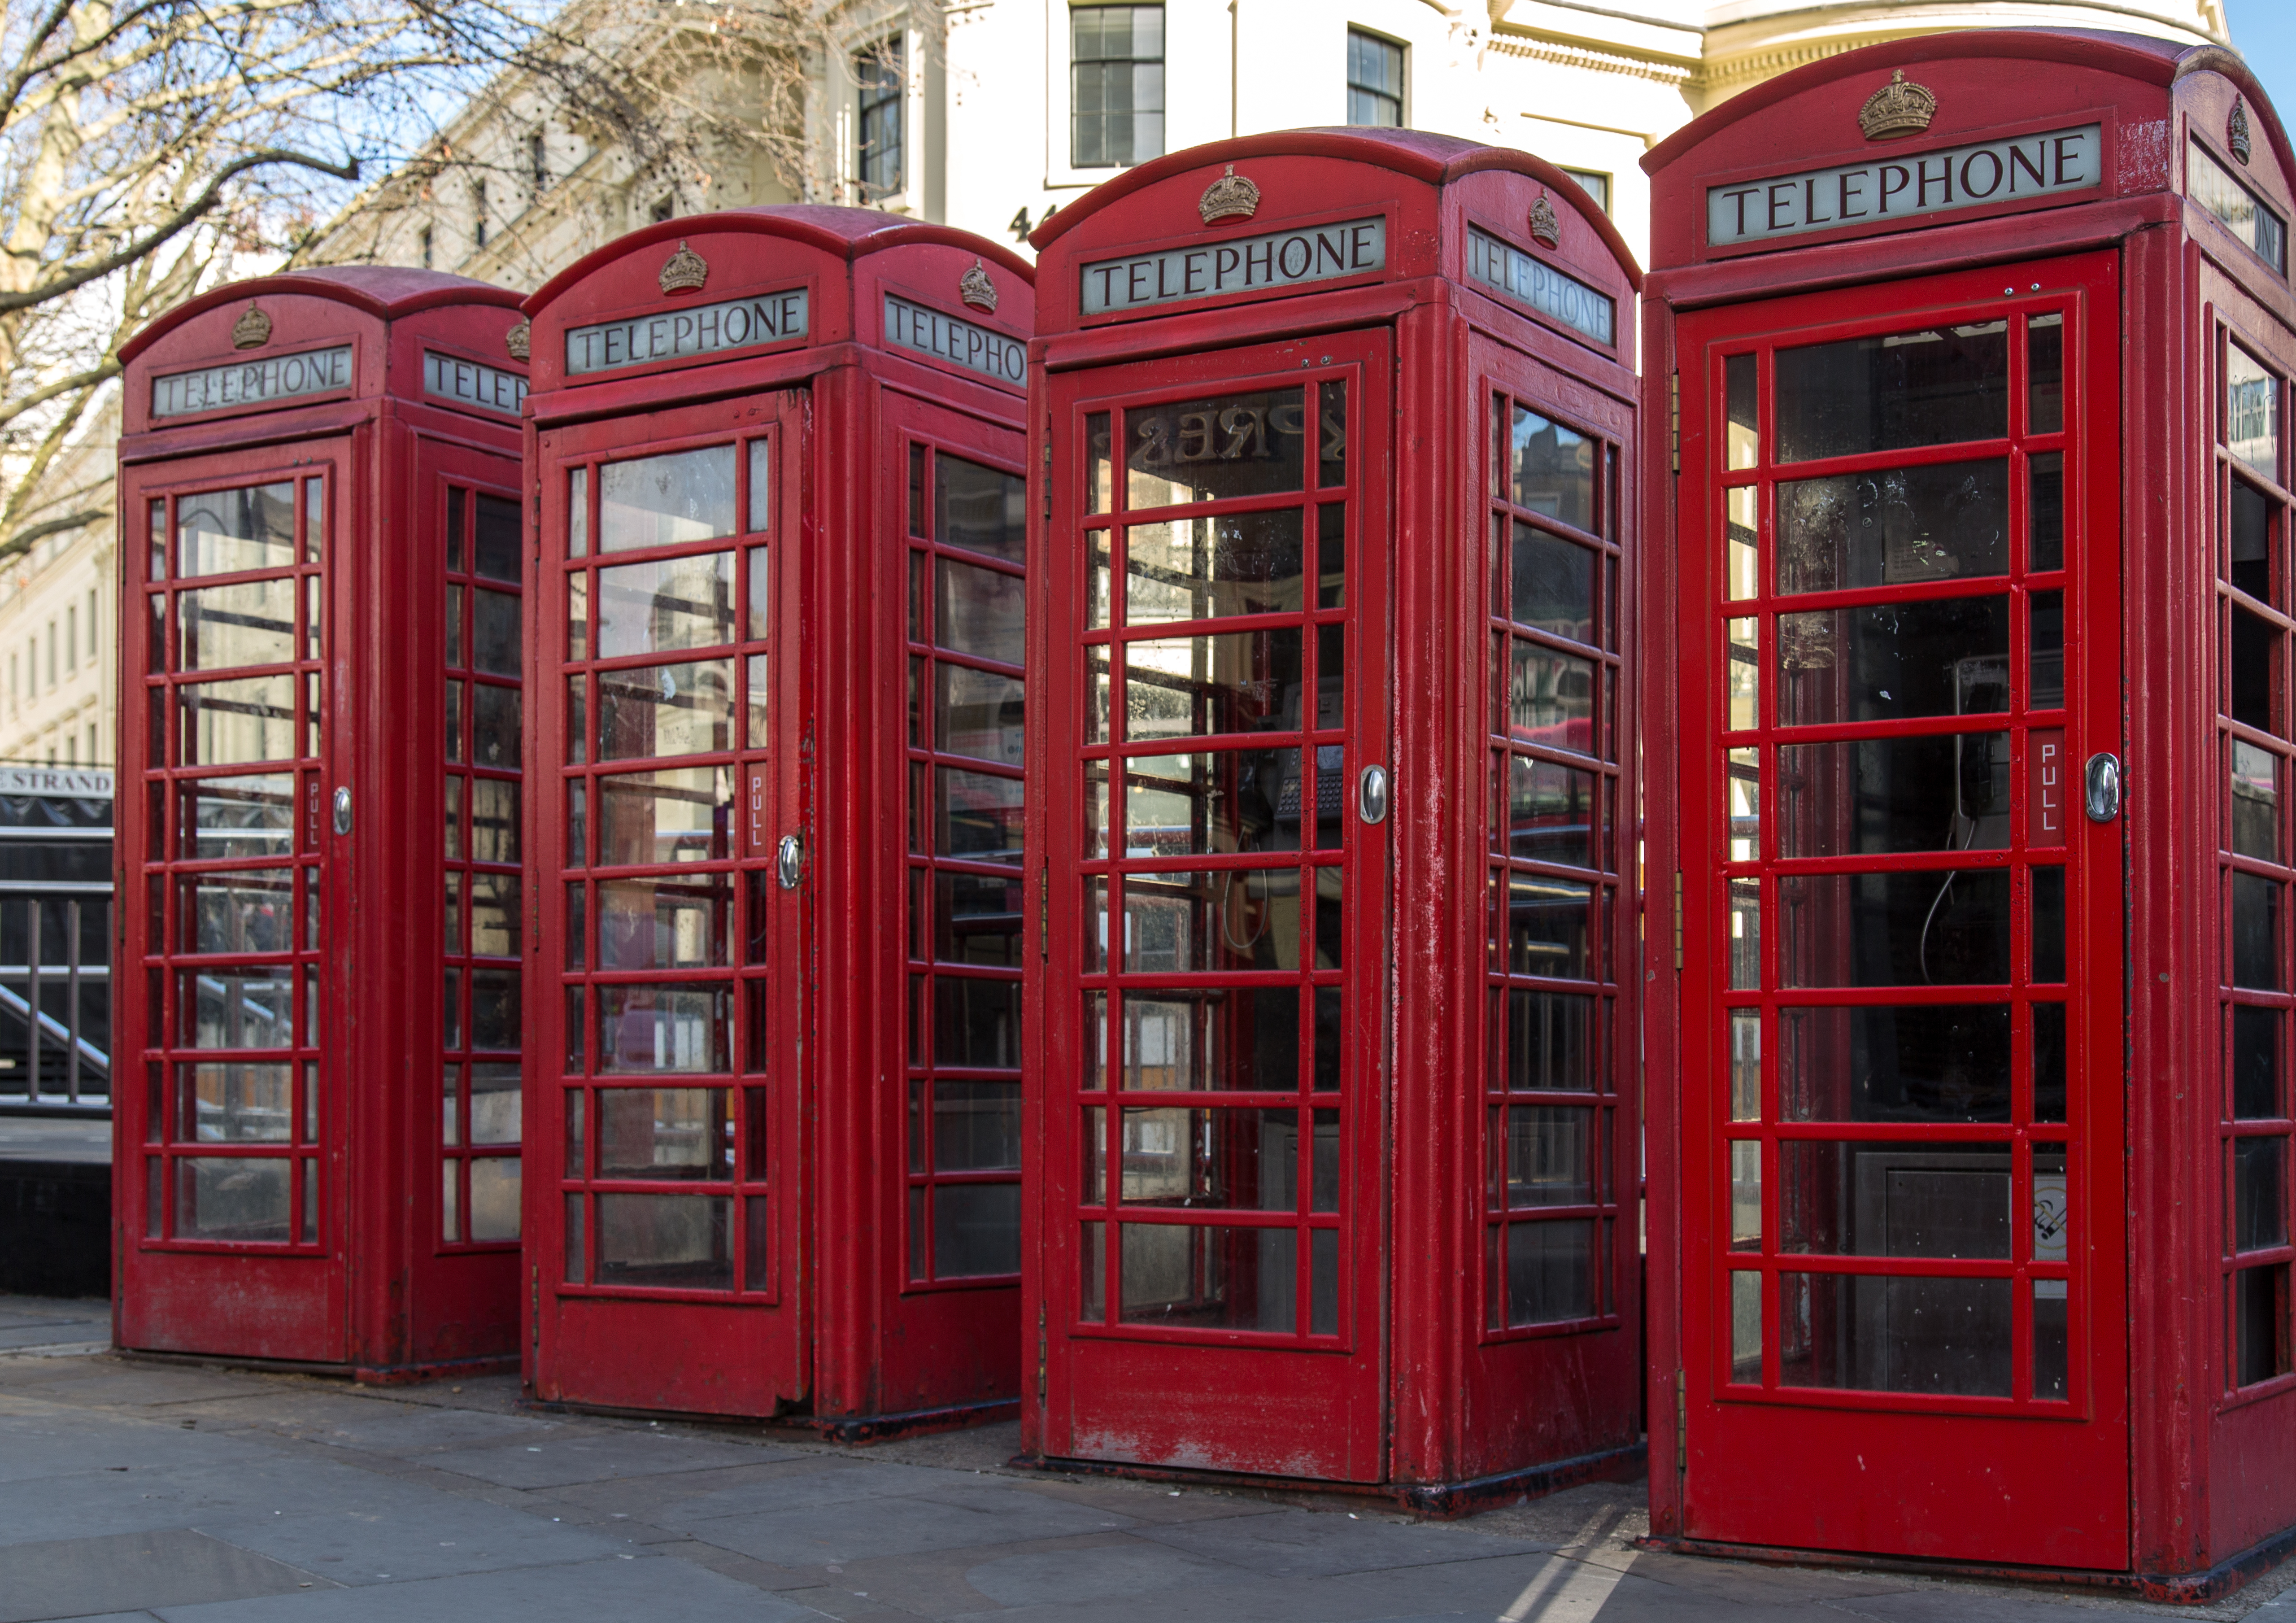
x,y
1372,794
789,862
2101,787
343,809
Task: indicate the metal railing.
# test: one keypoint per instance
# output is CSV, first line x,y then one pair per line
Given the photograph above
x,y
55,1004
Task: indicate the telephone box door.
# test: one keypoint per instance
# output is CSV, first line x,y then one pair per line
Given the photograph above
x,y
669,602
1905,1325
1213,1135
233,672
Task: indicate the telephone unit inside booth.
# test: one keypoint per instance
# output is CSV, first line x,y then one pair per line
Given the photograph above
x,y
1981,776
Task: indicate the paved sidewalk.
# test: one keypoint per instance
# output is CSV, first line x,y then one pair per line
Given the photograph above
x,y
203,1495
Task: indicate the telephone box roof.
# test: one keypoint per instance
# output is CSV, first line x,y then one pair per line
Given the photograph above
x,y
1434,159
385,291
847,232
2136,56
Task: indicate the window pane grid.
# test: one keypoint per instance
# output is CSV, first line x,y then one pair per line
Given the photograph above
x,y
665,1163
1116,84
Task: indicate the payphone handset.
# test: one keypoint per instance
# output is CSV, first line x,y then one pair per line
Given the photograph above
x,y
1981,778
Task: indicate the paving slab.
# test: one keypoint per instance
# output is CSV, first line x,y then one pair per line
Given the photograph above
x,y
860,1530
615,1588
569,1455
52,1440
1303,1544
123,1571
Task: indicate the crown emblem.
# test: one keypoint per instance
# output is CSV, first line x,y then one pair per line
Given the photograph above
x,y
520,341
251,330
1230,195
1897,108
1544,226
2236,131
683,271
977,289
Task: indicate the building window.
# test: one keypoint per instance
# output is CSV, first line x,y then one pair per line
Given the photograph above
x,y
52,653
93,758
422,247
1374,80
94,642
664,208
1116,84
71,639
537,160
1595,184
878,159
479,214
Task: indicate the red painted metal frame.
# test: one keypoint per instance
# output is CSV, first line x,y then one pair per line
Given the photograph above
x,y
836,1334
373,1290
2208,1496
1412,1394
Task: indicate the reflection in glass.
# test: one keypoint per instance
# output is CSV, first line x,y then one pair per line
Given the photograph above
x,y
2045,472
1241,682
1243,1039
246,912
665,1132
1548,927
665,605
976,919
977,816
665,501
977,713
1744,437
1550,812
980,612
681,813
1546,1270
1212,449
1746,1065
1553,584
1746,1328
251,720
1941,522
665,1241
982,509
220,532
2260,1323
1890,662
2252,411
1548,1157
685,709
2259,1194
1746,1194
679,1026
252,622
225,1008
1220,1159
1937,792
1861,1332
1894,392
1742,575
230,1103
1743,672
1551,697
1204,568
1208,1278
240,1199
976,1226
237,817
1233,919
1553,469
677,923
1212,802
976,1022
2044,341
1905,928
1949,1200
1918,1062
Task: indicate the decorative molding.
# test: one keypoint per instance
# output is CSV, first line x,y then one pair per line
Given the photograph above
x,y
1899,108
520,341
976,289
1544,226
252,329
1593,61
1232,196
684,271
2236,131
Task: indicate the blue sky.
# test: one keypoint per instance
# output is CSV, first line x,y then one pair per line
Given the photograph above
x,y
2265,30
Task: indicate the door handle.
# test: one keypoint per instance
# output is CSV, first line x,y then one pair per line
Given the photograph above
x,y
2101,787
789,862
1372,794
343,809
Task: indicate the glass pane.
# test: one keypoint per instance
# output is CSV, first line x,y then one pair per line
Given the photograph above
x,y
1549,1279
220,532
1223,801
980,509
1243,682
1894,1199
2255,659
494,1010
1551,697
2045,673
2049,926
685,709
1746,1194
665,605
982,612
1746,1065
664,501
976,919
2044,339
1874,929
1553,584
1178,922
2249,543
450,1202
1212,449
1550,812
493,1102
978,816
977,713
2252,411
1745,935
976,1230
665,1132
494,820
251,719
2047,475
1548,926
497,554
227,1008
1944,521
249,912
2260,1322
238,1199
1891,661
1246,1039
237,1104
678,1027
494,635
1553,470
577,512
1947,791
1744,437
2049,1061
665,1241
2259,1194
1743,672
1549,1160
664,924
1950,1337
2255,932
1746,1328
496,921
1743,574
2256,1044
494,1198
976,1022
1209,1278
237,817
1203,567
1926,1063
761,484
494,726
760,591
1893,393
250,623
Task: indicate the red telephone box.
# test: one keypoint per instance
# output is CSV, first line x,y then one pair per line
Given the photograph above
x,y
319,819
1970,1057
777,634
1332,1120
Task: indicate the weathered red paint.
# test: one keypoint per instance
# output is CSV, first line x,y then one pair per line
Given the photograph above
x,y
1401,1382
2166,1465
374,1286
833,1306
